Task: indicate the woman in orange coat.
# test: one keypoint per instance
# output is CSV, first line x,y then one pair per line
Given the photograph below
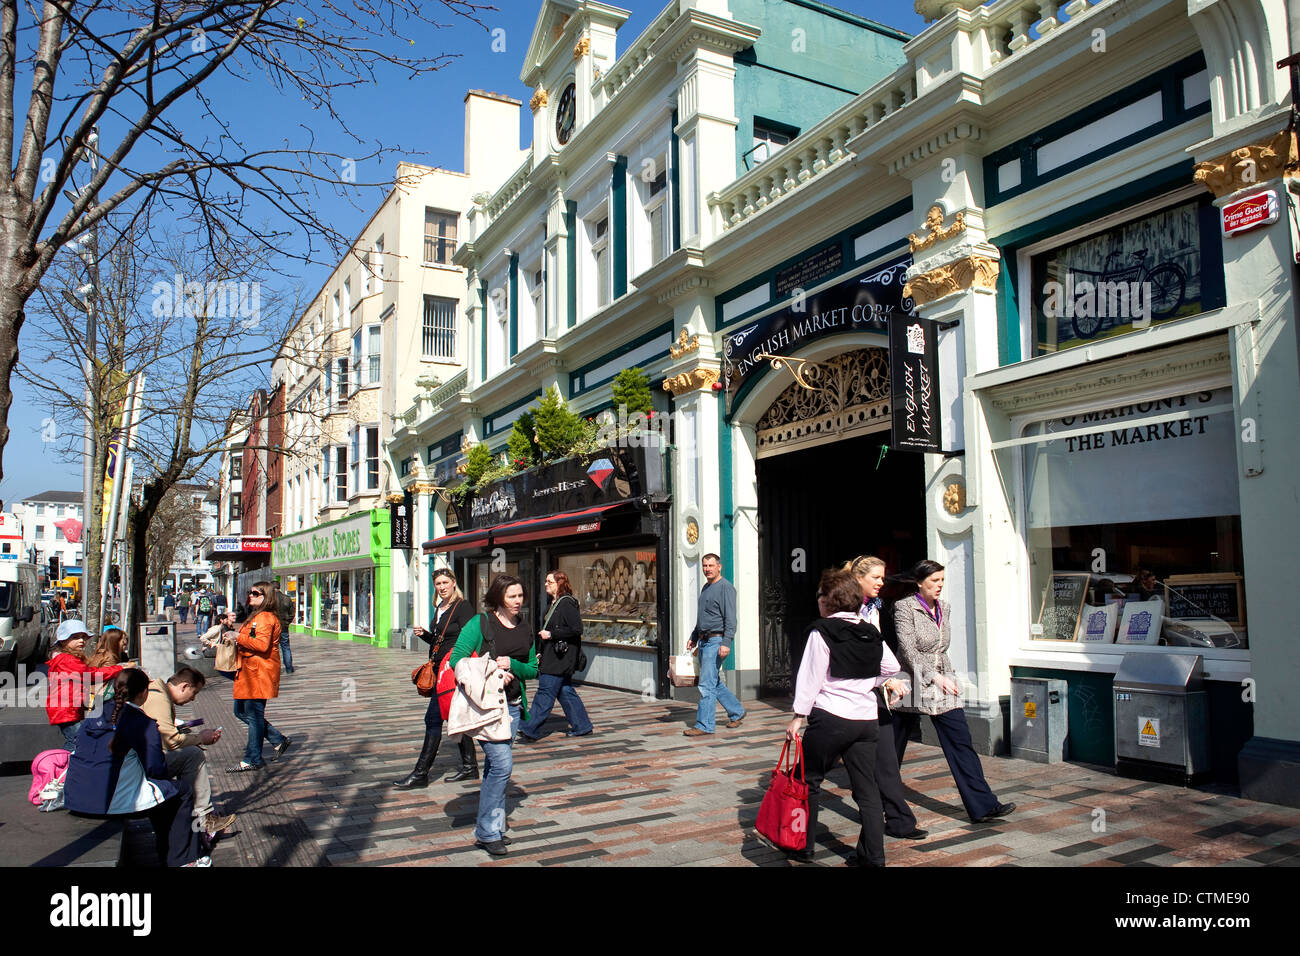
x,y
258,679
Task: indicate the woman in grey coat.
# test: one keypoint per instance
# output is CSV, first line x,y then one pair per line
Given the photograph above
x,y
921,623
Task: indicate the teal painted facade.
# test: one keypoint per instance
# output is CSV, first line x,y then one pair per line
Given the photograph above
x,y
810,60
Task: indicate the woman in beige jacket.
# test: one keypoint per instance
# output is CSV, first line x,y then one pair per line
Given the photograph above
x,y
921,623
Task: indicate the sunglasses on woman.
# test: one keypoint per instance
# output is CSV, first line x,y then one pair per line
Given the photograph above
x,y
255,594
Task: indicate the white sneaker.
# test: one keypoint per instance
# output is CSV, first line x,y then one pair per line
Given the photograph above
x,y
201,861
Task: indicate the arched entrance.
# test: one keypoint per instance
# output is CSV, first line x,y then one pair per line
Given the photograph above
x,y
828,489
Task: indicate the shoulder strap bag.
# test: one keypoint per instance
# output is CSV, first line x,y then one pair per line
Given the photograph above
x,y
425,677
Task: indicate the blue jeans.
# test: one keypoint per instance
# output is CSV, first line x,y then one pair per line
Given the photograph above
x,y
712,690
286,653
551,687
70,731
253,713
498,762
202,621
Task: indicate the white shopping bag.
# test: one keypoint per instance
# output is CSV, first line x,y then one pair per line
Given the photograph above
x,y
681,670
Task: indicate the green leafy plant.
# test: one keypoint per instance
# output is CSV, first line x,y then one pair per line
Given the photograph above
x,y
631,387
523,450
557,427
477,461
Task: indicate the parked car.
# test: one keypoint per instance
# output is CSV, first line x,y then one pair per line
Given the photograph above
x,y
20,619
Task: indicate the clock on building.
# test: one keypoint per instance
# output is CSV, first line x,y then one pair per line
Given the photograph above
x,y
566,113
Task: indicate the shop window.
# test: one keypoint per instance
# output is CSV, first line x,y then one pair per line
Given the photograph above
x,y
329,600
362,603
617,594
1132,275
345,600
1133,531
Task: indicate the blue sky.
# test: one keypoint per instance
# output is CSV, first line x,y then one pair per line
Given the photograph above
x,y
424,117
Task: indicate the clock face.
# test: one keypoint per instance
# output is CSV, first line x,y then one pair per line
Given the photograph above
x,y
566,112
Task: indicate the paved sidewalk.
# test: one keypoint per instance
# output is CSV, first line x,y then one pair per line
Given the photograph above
x,y
638,793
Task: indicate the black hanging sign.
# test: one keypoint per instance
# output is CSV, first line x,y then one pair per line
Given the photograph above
x,y
914,384
399,523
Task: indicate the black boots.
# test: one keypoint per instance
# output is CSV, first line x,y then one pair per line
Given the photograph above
x,y
419,777
468,762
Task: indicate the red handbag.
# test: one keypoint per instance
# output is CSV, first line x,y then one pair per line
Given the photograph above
x,y
783,817
446,686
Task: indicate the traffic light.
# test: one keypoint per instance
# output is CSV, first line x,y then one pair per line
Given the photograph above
x,y
54,568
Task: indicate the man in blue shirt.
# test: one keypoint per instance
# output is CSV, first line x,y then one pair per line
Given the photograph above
x,y
715,628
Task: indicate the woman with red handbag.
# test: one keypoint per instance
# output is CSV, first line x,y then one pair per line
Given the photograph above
x,y
451,614
843,662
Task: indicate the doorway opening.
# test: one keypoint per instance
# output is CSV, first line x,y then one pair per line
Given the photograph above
x,y
818,508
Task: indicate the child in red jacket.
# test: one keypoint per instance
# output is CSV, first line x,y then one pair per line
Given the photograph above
x,y
68,670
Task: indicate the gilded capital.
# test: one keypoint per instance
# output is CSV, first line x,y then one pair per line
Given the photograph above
x,y
1248,166
539,100
971,272
697,379
582,48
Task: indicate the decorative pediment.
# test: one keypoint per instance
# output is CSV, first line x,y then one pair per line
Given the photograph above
x,y
552,21
561,27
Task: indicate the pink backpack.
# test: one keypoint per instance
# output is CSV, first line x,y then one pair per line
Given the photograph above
x,y
48,766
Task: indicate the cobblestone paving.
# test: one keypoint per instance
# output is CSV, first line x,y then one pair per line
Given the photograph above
x,y
638,792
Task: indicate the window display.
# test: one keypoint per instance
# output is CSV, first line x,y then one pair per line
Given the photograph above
x,y
1135,274
618,594
329,600
1133,532
362,587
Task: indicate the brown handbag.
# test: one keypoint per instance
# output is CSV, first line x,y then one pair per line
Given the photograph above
x,y
425,677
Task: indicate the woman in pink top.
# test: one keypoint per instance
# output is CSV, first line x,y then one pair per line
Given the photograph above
x,y
843,662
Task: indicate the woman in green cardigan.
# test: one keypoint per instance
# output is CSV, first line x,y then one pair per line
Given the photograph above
x,y
500,629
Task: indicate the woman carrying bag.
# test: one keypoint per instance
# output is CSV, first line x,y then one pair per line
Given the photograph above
x,y
450,617
499,633
258,679
843,663
561,649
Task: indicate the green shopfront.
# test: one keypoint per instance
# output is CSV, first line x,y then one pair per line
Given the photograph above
x,y
336,578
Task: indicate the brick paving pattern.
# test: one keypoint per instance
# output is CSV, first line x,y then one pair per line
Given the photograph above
x,y
638,792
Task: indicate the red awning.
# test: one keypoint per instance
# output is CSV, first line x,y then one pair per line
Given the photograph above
x,y
554,526
456,542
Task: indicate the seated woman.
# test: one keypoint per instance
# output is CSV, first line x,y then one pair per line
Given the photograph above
x,y
118,769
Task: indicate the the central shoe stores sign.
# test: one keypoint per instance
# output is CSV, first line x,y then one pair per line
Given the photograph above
x,y
342,541
865,303
606,477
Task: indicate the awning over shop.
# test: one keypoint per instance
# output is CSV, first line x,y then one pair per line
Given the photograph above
x,y
556,526
566,524
456,542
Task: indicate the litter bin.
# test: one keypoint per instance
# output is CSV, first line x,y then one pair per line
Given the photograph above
x,y
158,648
1040,719
1161,716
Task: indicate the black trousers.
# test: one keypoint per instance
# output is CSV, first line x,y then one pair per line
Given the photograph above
x,y
954,738
899,818
175,837
830,738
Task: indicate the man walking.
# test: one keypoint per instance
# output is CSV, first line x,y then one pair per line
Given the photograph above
x,y
715,628
183,605
203,610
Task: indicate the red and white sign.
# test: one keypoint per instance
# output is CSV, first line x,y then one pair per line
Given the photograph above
x,y
1245,214
257,544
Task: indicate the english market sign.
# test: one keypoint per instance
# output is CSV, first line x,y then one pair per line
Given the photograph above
x,y
863,303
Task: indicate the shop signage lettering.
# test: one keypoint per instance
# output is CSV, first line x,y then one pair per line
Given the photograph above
x,y
1139,434
500,503
556,488
256,544
224,544
863,303
399,523
914,383
328,544
1250,213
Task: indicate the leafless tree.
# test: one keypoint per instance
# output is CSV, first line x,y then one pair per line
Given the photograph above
x,y
176,526
113,80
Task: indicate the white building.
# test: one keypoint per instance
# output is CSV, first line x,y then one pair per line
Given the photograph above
x,y
44,519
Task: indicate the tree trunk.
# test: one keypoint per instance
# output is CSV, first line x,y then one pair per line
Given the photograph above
x,y
138,536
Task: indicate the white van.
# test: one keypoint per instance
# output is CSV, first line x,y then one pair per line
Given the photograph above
x,y
20,615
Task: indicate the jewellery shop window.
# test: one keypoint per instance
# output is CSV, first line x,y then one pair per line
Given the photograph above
x,y
617,591
1133,532
1154,268
362,591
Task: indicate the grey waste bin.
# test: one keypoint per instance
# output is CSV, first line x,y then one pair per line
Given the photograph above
x,y
158,648
1161,714
1040,720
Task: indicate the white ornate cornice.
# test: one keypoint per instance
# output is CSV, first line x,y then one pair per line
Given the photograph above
x,y
934,144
